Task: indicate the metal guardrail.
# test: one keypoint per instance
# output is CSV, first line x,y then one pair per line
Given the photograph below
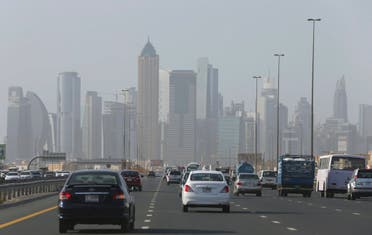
x,y
15,190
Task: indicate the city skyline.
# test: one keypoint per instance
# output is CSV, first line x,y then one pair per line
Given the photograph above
x,y
108,61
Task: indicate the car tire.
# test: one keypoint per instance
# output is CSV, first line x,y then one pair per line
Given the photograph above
x,y
140,188
62,227
226,209
259,194
185,208
131,225
352,196
168,183
125,227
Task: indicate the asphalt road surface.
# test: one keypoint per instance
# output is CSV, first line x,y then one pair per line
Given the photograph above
x,y
158,211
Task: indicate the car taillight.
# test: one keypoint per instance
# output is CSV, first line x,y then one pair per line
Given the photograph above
x,y
64,196
119,196
239,183
188,188
225,189
355,177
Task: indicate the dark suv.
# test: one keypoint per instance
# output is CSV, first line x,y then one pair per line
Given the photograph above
x,y
132,178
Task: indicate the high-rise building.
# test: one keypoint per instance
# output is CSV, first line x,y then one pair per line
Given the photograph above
x,y
247,131
163,95
69,134
92,126
113,130
41,129
340,101
228,140
130,117
212,93
148,129
19,129
53,131
181,130
201,87
302,125
365,126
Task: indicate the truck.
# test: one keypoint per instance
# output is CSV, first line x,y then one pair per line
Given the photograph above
x,y
242,167
295,175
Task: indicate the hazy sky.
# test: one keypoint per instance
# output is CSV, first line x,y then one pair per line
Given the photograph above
x,y
102,40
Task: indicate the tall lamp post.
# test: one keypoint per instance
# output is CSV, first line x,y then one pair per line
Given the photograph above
x,y
277,110
256,122
312,87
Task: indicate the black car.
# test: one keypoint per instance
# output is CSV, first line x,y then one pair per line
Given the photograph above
x,y
151,174
95,197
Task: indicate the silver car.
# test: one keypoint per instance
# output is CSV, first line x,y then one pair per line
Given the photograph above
x,y
360,184
247,183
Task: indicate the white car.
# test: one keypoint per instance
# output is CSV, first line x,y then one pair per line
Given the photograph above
x,y
173,176
205,188
268,178
11,176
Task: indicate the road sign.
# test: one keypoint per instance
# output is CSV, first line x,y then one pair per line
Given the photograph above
x,y
2,151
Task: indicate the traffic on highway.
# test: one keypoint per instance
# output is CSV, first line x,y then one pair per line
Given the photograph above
x,y
202,201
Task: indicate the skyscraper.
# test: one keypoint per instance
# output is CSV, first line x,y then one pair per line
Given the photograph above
x,y
340,101
302,125
92,126
113,130
201,87
163,95
181,132
19,129
148,133
40,125
365,126
69,131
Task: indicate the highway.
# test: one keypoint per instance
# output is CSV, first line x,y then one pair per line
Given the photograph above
x,y
158,211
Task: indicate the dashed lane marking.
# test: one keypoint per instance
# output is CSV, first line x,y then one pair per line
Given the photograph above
x,y
291,229
149,215
263,216
151,207
145,227
245,208
323,207
338,210
310,204
356,213
150,210
147,220
237,205
275,222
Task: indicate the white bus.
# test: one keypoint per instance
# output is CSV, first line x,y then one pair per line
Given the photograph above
x,y
334,172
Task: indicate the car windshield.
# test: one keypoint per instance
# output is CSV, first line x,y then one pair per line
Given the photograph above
x,y
130,173
248,176
347,163
206,177
89,178
365,174
12,173
296,168
269,174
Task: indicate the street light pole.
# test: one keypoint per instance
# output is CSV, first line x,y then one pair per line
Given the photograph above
x,y
278,110
312,87
256,121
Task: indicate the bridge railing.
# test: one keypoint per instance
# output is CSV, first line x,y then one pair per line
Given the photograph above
x,y
17,190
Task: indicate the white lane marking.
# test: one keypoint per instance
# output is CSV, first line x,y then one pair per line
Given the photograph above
x,y
323,207
338,210
149,215
299,201
151,207
150,210
358,202
145,227
275,222
310,204
291,229
147,220
232,202
237,205
356,213
290,200
245,208
263,216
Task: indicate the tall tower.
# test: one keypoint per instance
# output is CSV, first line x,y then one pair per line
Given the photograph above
x,y
340,101
180,148
69,136
148,104
92,126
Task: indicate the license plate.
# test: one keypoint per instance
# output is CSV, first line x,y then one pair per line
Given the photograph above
x,y
207,190
91,198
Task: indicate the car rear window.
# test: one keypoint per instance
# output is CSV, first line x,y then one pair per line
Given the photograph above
x,y
175,173
129,173
269,174
12,173
93,178
206,177
248,176
365,174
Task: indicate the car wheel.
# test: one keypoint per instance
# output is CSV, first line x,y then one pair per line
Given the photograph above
x,y
226,209
125,227
185,208
140,188
259,194
168,183
353,197
62,227
131,225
